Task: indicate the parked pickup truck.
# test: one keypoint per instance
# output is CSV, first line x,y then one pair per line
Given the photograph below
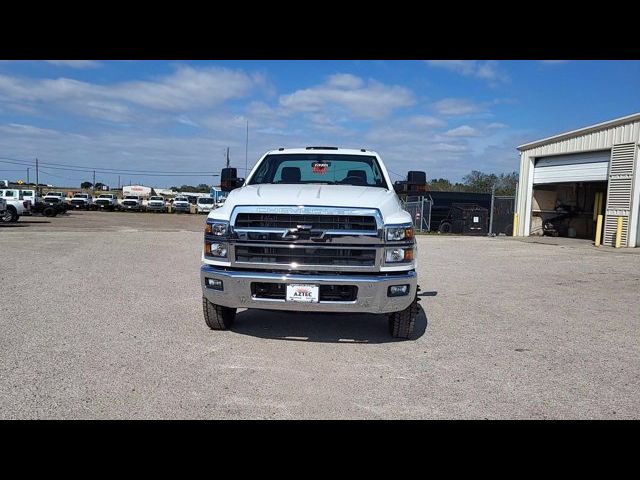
x,y
106,201
205,204
16,206
82,200
181,204
3,207
131,202
156,204
315,229
56,199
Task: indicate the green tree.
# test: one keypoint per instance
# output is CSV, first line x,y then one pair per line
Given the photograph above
x,y
86,185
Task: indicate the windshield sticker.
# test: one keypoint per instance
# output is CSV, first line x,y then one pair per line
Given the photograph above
x,y
320,167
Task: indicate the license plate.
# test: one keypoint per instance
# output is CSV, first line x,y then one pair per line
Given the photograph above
x,y
303,293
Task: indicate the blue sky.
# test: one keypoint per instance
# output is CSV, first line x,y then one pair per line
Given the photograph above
x,y
445,117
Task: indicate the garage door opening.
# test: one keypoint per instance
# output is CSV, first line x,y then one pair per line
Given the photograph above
x,y
567,209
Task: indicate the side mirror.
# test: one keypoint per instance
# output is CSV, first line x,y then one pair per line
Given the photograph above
x,y
400,186
229,179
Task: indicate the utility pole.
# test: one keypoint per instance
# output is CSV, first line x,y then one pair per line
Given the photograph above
x,y
27,176
94,180
118,182
228,157
37,178
246,151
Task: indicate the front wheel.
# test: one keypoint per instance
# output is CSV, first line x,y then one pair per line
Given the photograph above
x,y
217,317
402,324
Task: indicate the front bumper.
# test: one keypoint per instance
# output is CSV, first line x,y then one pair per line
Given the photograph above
x,y
156,208
371,298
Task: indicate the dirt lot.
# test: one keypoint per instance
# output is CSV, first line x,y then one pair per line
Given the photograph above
x,y
101,318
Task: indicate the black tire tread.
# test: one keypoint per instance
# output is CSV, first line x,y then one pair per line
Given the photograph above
x,y
402,324
217,317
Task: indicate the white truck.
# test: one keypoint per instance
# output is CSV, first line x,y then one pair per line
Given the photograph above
x,y
3,207
106,201
131,202
15,205
181,204
82,201
156,204
205,204
317,229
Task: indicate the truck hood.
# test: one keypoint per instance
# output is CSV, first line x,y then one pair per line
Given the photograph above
x,y
316,195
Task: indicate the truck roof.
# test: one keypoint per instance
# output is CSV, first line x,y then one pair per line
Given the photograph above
x,y
334,150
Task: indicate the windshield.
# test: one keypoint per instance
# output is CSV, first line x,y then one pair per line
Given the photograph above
x,y
54,194
322,168
104,196
181,199
207,201
80,195
131,197
156,198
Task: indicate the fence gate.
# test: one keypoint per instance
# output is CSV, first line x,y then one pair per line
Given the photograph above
x,y
420,211
501,221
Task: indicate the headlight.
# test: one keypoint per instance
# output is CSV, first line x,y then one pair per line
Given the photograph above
x,y
398,255
215,249
402,232
217,229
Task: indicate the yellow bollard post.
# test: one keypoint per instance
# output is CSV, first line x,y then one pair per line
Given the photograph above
x,y
598,230
619,233
516,221
596,206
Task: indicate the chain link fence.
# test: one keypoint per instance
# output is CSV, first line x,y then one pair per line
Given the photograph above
x,y
501,219
500,214
420,210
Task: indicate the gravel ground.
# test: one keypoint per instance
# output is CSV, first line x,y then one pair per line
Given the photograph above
x,y
101,317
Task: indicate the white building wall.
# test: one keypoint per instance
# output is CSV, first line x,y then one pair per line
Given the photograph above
x,y
585,140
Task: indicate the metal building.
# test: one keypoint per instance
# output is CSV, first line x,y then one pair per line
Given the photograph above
x,y
568,179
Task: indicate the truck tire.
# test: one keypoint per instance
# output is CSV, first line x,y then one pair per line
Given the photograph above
x,y
445,227
402,324
217,317
10,215
49,212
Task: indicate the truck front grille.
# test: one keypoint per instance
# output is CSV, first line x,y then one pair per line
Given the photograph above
x,y
356,257
317,222
130,203
78,202
103,202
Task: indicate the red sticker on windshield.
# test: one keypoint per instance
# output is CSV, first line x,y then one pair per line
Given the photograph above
x,y
320,168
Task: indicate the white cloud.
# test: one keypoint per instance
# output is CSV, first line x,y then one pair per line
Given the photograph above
x,y
348,93
463,131
75,63
457,106
425,121
485,70
185,120
188,88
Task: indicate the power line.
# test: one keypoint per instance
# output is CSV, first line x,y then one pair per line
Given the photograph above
x,y
76,168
